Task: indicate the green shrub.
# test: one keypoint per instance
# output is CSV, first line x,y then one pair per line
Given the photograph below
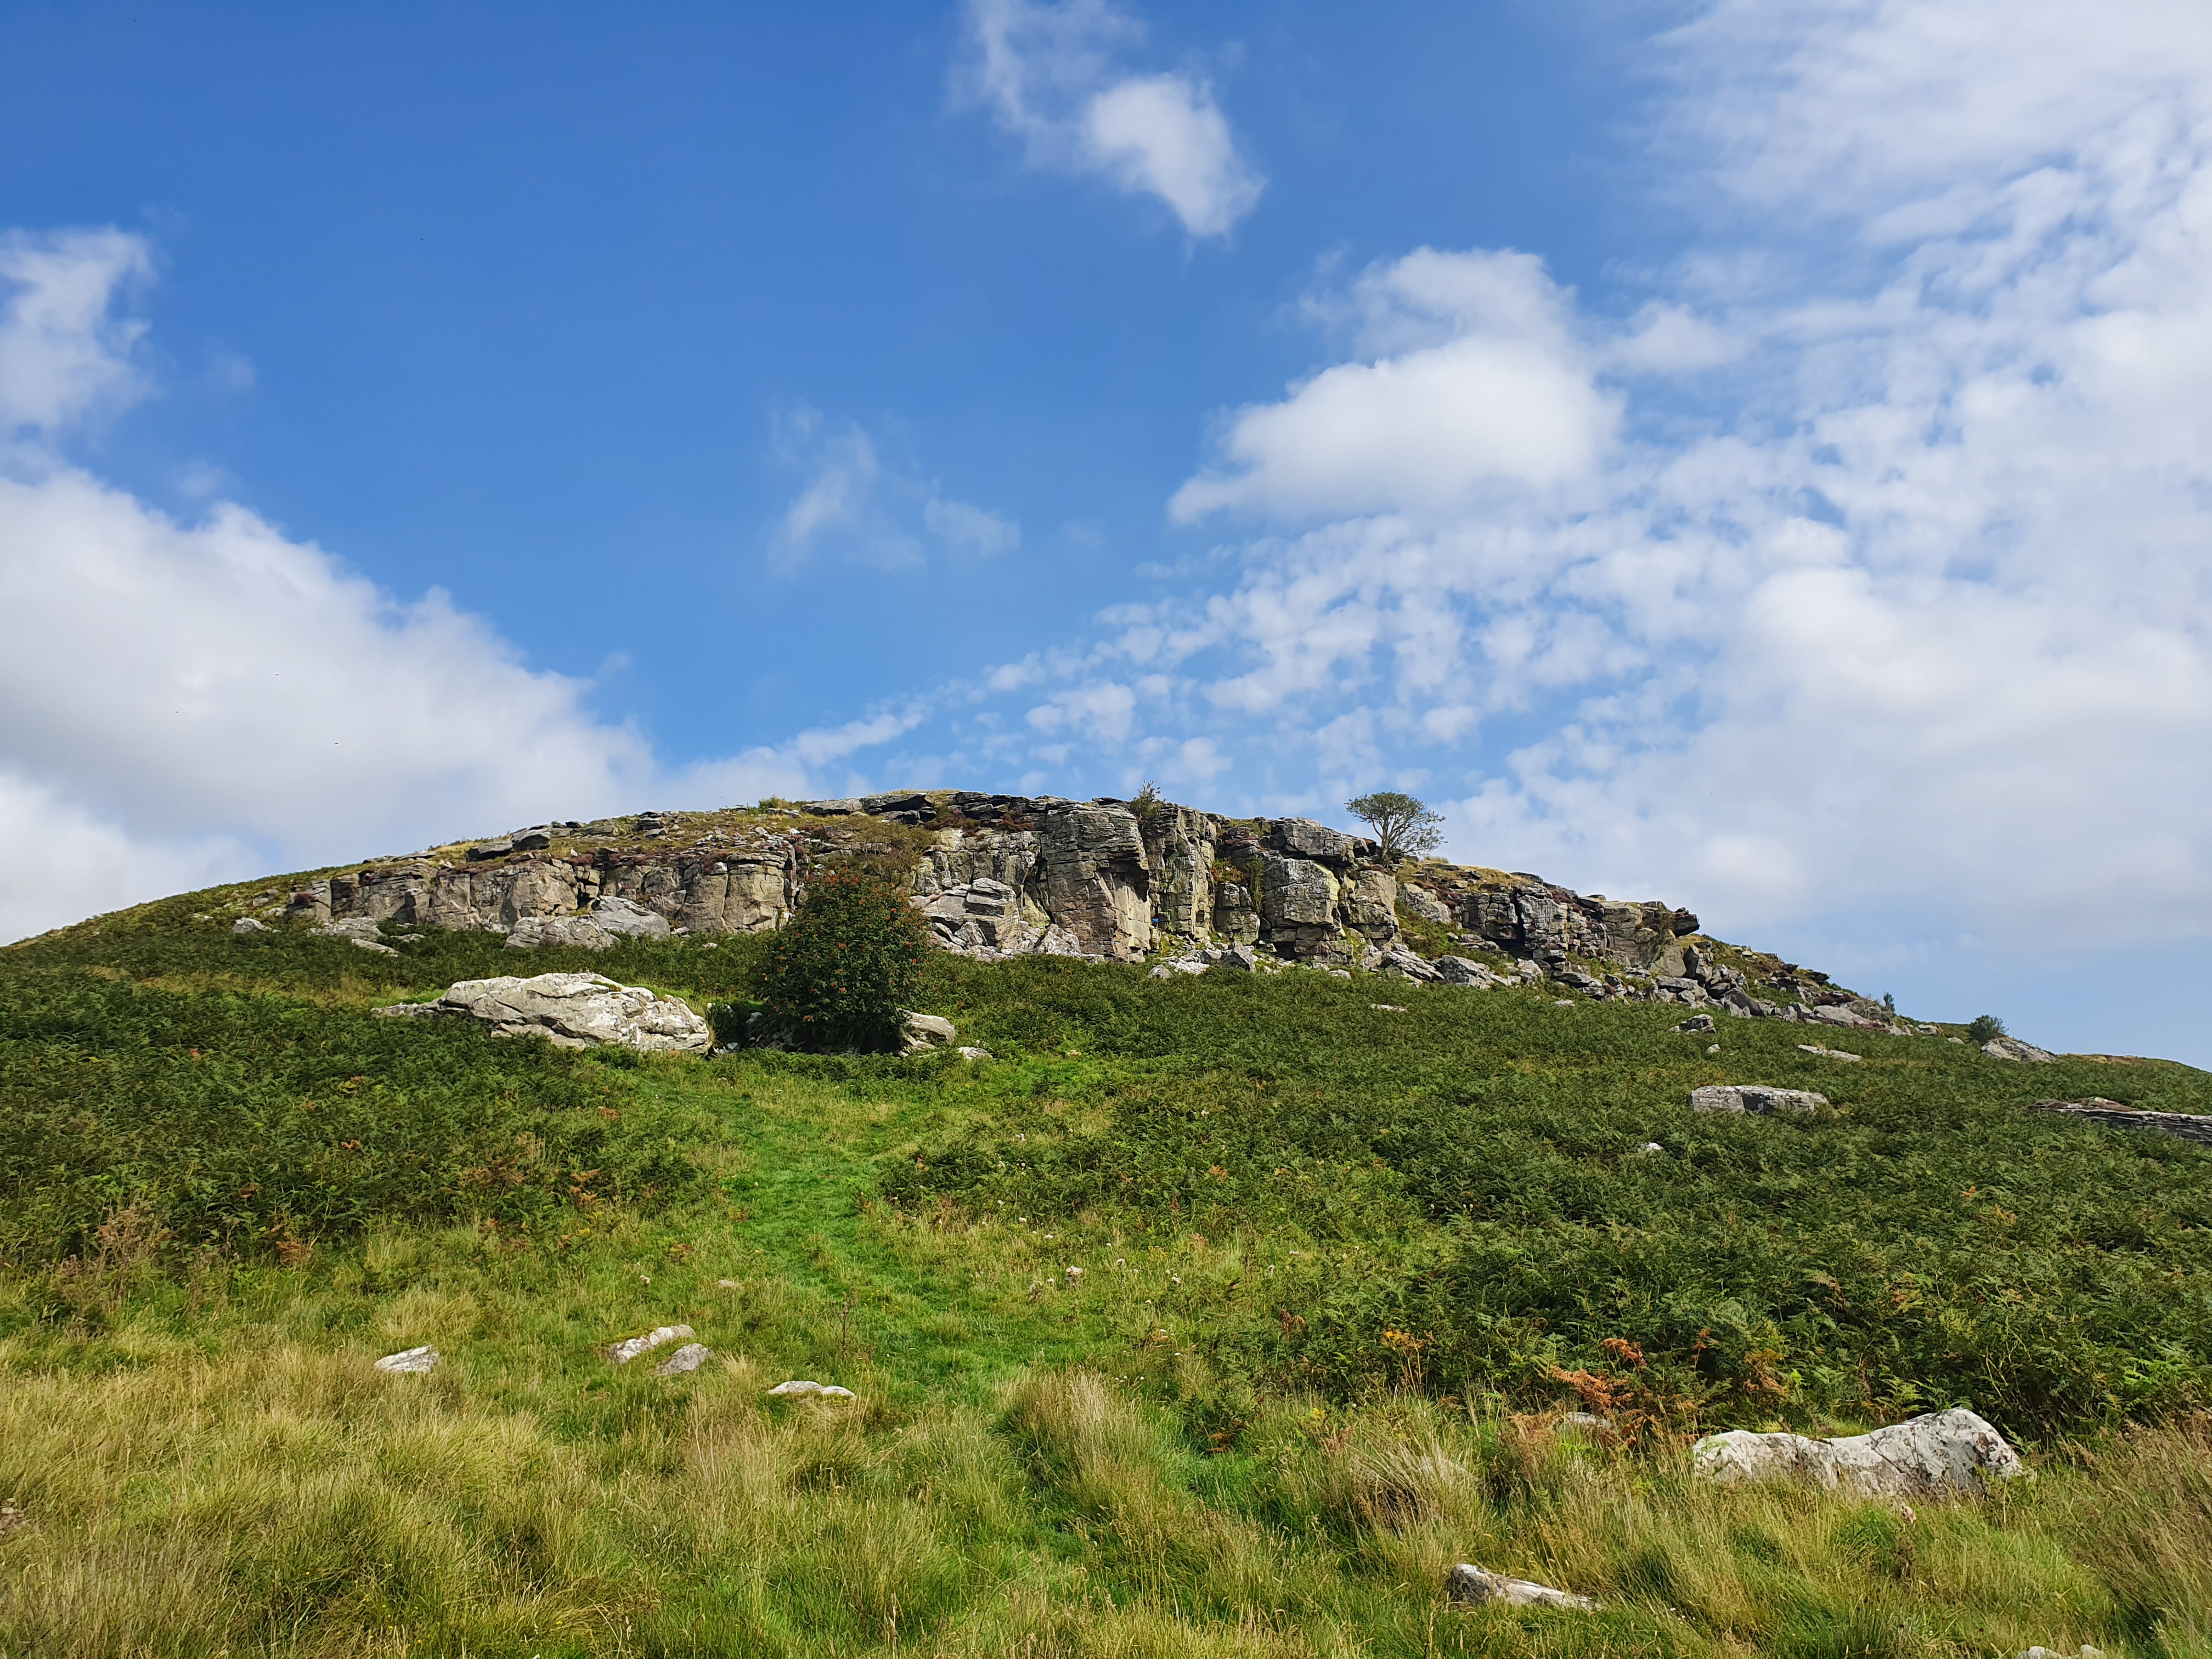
x,y
1986,1028
839,974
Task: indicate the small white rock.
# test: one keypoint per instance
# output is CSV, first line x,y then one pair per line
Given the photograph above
x,y
689,1357
801,1386
1473,1585
1075,1273
410,1361
1386,1007
1825,1053
623,1352
968,1053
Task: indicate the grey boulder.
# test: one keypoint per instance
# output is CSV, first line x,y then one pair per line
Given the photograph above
x,y
1952,1453
582,1011
1755,1097
621,1354
410,1362
689,1357
248,925
622,916
919,1033
1697,1023
2005,1048
533,931
1473,1586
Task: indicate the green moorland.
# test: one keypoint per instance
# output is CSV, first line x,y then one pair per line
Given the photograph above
x,y
1211,1317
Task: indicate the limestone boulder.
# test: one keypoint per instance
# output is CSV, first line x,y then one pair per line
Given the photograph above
x,y
1405,963
2005,1048
1473,1587
1464,970
582,1011
626,916
580,931
1943,1454
919,1033
1754,1098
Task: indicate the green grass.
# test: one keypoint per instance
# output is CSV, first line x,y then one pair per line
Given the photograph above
x,y
1339,1271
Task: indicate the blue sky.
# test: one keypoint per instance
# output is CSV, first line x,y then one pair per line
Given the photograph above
x,y
1749,455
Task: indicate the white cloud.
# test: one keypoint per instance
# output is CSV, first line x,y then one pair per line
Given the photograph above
x,y
1048,75
191,700
63,355
1481,382
850,504
958,525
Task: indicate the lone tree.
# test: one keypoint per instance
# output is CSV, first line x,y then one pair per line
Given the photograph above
x,y
839,975
1403,823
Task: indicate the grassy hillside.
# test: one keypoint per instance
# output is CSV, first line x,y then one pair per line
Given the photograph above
x,y
1338,1271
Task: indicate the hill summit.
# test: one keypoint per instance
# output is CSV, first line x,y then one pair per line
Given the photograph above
x,y
1001,876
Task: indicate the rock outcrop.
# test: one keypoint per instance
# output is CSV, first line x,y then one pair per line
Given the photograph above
x,y
998,875
1952,1453
2114,1116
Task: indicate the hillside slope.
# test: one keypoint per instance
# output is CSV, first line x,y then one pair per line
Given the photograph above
x,y
1214,1313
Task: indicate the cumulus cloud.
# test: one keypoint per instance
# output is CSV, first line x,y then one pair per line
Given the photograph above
x,y
64,353
852,505
1047,74
1478,379
191,700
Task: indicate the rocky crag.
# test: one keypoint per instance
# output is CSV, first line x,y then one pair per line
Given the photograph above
x,y
999,876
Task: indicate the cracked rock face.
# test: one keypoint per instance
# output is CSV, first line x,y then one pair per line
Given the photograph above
x,y
582,1011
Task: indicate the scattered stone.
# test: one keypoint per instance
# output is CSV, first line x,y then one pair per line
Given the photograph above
x,y
1712,1048
1407,965
1697,1023
372,944
1386,1007
801,1386
1757,1097
582,1011
922,1032
622,1352
408,1010
626,917
248,925
1475,1588
1825,1053
1652,1148
11,1518
533,931
2005,1048
2088,1652
410,1362
689,1357
1180,965
1942,1453
1464,970
1238,959
2113,1114
968,1052
1565,1002
1074,1273
1586,1420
